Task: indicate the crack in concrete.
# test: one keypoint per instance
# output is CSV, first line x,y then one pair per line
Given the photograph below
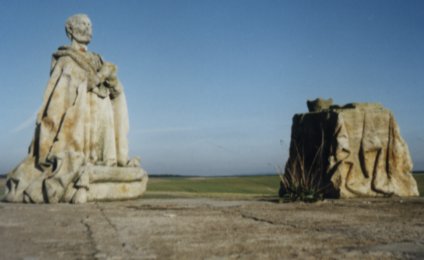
x,y
91,239
125,247
257,219
261,220
103,214
161,208
236,211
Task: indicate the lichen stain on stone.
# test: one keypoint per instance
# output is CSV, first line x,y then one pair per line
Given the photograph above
x,y
123,188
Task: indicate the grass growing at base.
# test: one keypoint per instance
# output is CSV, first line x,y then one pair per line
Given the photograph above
x,y
304,181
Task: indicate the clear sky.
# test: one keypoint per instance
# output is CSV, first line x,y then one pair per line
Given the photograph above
x,y
212,85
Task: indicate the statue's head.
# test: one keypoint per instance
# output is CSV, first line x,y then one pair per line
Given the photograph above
x,y
78,28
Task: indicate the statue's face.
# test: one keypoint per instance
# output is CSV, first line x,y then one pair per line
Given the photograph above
x,y
81,30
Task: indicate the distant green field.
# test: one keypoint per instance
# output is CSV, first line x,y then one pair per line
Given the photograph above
x,y
243,187
420,182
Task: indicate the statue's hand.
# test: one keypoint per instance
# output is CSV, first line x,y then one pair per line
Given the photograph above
x,y
107,72
107,75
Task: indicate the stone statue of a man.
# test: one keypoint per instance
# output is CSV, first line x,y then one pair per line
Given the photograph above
x,y
82,124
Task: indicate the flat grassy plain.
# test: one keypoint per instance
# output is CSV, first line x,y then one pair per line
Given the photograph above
x,y
239,187
213,187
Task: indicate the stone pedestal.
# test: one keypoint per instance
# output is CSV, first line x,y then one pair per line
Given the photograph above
x,y
356,149
116,183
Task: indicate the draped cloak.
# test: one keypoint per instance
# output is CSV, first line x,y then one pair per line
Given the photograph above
x,y
353,151
83,121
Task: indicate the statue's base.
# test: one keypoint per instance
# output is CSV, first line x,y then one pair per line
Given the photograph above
x,y
74,183
116,183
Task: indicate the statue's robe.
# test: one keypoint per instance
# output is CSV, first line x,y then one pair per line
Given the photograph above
x,y
83,121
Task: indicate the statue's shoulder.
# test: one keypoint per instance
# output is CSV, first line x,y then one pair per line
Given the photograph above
x,y
87,60
60,59
96,55
63,54
62,50
96,60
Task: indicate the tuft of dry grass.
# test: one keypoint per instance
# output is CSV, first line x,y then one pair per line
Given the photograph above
x,y
302,181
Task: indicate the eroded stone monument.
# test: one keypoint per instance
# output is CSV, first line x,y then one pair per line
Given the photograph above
x,y
356,149
79,152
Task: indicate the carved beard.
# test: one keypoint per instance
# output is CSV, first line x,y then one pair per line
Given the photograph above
x,y
81,35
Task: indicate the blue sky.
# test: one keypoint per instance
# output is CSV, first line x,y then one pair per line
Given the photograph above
x,y
212,85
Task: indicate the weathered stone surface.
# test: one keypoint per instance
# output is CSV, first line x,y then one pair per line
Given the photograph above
x,y
357,148
319,104
116,183
100,174
82,124
116,191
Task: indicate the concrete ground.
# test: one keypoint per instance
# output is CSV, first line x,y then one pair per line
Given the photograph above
x,y
202,228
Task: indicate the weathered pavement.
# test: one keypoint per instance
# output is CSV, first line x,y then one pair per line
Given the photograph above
x,y
213,229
